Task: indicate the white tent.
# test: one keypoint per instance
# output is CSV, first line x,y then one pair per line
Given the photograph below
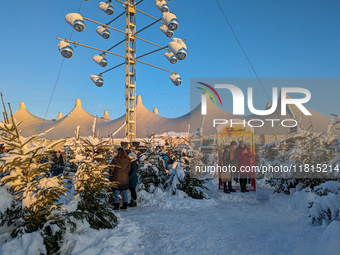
x,y
151,123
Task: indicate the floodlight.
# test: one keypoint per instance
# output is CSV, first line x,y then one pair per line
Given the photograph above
x,y
98,80
65,49
166,31
103,32
76,21
170,21
176,79
100,59
162,5
170,56
107,8
178,48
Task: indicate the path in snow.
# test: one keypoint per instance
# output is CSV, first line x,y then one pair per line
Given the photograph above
x,y
236,224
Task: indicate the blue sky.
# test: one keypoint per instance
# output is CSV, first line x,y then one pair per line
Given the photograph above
x,y
283,39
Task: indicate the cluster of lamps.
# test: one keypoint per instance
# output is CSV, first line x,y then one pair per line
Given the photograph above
x,y
177,47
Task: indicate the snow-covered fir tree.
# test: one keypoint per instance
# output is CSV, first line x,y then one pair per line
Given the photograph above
x,y
36,196
152,172
306,151
325,207
182,174
92,182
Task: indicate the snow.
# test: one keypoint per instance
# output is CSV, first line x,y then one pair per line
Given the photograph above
x,y
6,199
238,223
163,200
124,239
328,244
174,134
30,196
328,187
326,207
71,17
253,223
28,244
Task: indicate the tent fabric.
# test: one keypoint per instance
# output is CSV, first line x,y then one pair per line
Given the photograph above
x,y
30,124
149,123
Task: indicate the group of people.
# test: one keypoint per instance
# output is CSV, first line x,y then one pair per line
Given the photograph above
x,y
125,173
236,156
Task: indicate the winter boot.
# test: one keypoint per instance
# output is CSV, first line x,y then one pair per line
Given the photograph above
x,y
245,187
133,203
230,188
241,186
225,188
124,206
116,206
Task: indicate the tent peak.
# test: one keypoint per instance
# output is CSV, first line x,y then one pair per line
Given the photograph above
x,y
139,99
22,105
106,115
78,102
60,115
155,110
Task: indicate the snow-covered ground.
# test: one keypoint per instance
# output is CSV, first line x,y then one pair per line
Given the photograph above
x,y
237,223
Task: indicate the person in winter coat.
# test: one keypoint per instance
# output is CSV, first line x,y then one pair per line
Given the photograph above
x,y
166,158
229,158
243,156
133,178
58,159
58,164
121,175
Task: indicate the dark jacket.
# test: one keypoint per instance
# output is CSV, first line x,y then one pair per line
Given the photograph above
x,y
121,172
58,165
58,160
133,178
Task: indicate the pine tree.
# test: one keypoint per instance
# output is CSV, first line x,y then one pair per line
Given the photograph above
x,y
306,152
326,206
152,172
182,177
36,197
92,182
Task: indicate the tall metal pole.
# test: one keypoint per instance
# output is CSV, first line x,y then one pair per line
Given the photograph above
x,y
130,81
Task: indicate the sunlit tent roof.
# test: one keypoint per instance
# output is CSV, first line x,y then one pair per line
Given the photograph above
x,y
66,126
149,122
30,124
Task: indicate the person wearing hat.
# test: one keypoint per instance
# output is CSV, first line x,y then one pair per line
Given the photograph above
x,y
133,178
229,158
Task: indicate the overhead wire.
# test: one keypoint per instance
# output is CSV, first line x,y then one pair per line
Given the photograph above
x,y
136,58
71,99
55,84
245,54
116,18
153,23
